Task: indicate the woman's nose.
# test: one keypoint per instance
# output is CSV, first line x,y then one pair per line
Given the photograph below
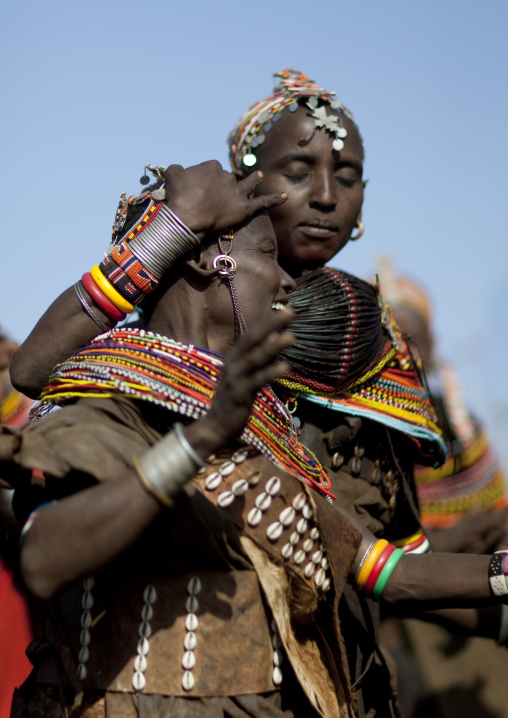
x,y
323,192
287,282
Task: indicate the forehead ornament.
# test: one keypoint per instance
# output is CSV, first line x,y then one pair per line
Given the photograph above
x,y
293,90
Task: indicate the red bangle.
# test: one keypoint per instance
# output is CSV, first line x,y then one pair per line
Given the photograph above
x,y
102,301
411,546
376,570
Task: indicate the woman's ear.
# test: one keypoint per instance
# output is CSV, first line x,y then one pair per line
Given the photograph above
x,y
200,265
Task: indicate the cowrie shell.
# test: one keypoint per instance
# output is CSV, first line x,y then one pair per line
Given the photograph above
x,y
299,557
84,637
240,456
140,663
87,600
286,517
144,630
191,622
188,660
89,583
307,545
314,533
254,517
188,681
240,487
319,577
301,526
227,468
194,586
299,502
277,676
263,501
191,604
212,481
147,612
274,531
225,499
149,594
317,556
190,641
86,619
143,647
272,486
138,681
81,672
307,511
287,551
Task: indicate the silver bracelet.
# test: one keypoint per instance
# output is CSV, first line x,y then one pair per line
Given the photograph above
x,y
178,429
503,626
165,468
88,309
162,242
360,566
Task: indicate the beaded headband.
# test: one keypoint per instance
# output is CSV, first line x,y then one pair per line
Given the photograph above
x,y
294,90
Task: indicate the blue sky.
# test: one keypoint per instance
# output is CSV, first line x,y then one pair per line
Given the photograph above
x,y
93,91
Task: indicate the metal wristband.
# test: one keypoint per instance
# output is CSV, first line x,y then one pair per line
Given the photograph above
x,y
352,579
178,429
162,242
165,468
88,309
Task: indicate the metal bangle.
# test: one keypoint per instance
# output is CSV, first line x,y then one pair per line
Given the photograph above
x,y
165,468
360,566
162,242
88,309
178,429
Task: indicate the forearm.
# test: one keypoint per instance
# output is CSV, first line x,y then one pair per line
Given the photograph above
x,y
440,580
63,329
483,622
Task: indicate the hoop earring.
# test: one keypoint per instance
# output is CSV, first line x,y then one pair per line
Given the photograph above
x,y
227,267
361,230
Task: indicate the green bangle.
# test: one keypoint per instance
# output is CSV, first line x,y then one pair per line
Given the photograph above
x,y
386,573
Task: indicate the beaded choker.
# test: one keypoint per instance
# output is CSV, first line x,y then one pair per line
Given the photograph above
x,y
182,379
349,356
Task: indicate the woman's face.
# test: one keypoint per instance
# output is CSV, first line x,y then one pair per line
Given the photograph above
x,y
325,189
260,282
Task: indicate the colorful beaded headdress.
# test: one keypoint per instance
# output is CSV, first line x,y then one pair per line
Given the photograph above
x,y
294,90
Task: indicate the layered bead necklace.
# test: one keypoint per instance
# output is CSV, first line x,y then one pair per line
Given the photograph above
x,y
183,379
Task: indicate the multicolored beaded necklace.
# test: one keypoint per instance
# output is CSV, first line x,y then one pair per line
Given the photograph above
x,y
182,379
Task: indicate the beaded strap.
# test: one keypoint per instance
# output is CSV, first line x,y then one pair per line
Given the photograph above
x,y
498,571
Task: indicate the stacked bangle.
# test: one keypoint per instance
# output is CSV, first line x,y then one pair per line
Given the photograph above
x,y
376,568
101,300
498,571
416,543
386,572
110,292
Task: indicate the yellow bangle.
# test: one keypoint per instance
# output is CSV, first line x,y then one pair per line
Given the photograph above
x,y
109,291
409,539
369,563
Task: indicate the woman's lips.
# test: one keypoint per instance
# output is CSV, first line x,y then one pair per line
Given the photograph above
x,y
318,231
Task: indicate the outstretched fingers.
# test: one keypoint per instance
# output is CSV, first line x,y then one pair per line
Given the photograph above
x,y
263,201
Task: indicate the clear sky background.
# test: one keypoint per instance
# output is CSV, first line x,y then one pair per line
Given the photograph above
x,y
93,91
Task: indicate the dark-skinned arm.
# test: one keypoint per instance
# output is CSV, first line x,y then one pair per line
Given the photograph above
x,y
206,198
84,532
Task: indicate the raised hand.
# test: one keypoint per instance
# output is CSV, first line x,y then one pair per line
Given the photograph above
x,y
252,363
209,199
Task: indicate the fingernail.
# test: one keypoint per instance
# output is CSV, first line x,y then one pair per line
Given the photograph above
x,y
260,174
284,195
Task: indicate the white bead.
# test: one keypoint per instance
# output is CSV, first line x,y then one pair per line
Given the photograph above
x,y
286,517
277,657
143,647
140,663
188,681
89,583
299,502
86,619
138,681
301,526
309,570
319,577
307,545
287,551
299,557
324,563
84,654
84,637
194,586
272,486
190,641
147,612
81,672
263,501
240,487
191,622
326,584
317,556
294,538
254,478
212,481
150,594
314,533
188,660
277,676
87,600
144,630
210,459
254,517
227,468
225,499
307,512
240,456
274,531
191,604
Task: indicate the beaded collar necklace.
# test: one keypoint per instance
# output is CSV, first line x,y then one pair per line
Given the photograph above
x,y
183,379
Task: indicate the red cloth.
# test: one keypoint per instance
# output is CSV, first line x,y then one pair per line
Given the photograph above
x,y
15,635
